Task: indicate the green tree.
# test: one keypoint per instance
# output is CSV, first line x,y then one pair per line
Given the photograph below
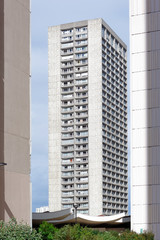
x,y
47,230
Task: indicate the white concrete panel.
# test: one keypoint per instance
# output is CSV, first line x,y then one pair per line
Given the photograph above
x,y
140,176
139,138
140,195
140,81
145,80
146,118
146,42
139,43
141,23
143,176
140,118
146,156
146,137
146,61
141,7
142,227
138,24
139,62
139,100
146,99
141,213
140,157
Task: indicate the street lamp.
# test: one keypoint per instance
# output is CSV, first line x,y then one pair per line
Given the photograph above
x,y
2,164
75,207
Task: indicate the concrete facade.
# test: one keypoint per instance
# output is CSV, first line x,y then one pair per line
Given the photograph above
x,y
87,119
145,115
15,110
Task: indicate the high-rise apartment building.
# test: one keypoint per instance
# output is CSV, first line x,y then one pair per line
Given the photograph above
x,y
145,115
15,110
87,118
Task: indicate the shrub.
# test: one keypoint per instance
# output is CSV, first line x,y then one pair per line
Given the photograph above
x,y
47,230
148,236
77,232
130,235
14,231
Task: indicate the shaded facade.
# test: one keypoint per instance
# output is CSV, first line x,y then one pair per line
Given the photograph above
x,y
87,119
145,115
15,110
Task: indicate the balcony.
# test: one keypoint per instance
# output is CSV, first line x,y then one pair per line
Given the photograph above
x,y
66,200
81,186
82,173
81,42
81,36
81,55
67,180
81,75
67,174
66,45
66,52
67,84
68,109
67,39
67,116
81,82
67,135
67,96
81,101
84,193
67,103
81,95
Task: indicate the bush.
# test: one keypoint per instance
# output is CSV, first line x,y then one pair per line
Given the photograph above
x,y
148,236
77,232
47,230
14,231
130,235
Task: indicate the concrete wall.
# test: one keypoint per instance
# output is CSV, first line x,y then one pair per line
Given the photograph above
x,y
145,115
15,106
95,116
54,111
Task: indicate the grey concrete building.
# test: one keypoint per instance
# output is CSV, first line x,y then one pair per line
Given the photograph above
x,y
87,118
15,110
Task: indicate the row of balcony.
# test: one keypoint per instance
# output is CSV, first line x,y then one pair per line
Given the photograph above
x,y
76,43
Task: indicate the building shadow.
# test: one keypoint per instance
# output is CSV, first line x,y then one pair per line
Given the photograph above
x,y
2,187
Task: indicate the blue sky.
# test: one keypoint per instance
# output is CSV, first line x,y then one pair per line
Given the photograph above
x,y
46,13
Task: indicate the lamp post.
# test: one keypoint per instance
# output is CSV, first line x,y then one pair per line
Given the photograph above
x,y
75,208
2,164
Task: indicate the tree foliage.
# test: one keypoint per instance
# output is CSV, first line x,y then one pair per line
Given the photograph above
x,y
47,230
77,232
14,231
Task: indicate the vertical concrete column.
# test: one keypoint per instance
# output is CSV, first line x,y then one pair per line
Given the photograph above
x,y
95,115
54,116
145,115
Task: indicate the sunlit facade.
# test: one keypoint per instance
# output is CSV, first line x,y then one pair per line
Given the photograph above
x,y
87,119
145,115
